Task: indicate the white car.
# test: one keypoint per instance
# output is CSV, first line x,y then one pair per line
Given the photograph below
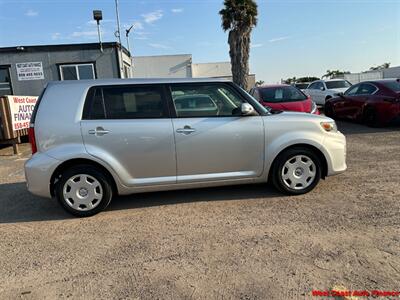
x,y
322,90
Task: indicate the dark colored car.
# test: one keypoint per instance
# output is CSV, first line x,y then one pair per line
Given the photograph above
x,y
284,97
375,103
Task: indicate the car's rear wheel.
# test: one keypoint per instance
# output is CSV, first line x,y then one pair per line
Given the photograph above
x,y
83,190
296,171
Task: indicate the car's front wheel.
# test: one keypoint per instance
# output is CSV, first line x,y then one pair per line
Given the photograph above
x,y
296,171
83,190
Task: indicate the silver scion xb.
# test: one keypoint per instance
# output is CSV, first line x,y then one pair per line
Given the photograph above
x,y
92,140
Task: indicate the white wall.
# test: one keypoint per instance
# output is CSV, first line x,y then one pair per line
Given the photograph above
x,y
393,72
218,69
176,66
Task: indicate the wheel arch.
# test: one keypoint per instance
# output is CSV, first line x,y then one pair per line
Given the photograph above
x,y
318,152
80,161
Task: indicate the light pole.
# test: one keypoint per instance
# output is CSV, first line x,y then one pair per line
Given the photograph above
x,y
127,37
98,16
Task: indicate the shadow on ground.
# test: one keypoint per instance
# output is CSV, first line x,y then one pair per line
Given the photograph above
x,y
348,127
18,205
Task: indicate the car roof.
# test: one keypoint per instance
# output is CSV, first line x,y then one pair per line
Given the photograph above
x,y
95,82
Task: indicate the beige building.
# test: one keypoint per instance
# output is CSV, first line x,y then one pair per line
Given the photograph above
x,y
181,65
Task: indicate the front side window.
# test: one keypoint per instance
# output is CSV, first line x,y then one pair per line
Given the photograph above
x,y
124,102
208,100
282,94
352,91
77,72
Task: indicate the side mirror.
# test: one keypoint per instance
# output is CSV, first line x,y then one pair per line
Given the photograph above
x,y
246,109
341,95
322,88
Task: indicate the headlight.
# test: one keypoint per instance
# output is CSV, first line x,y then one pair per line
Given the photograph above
x,y
329,126
313,107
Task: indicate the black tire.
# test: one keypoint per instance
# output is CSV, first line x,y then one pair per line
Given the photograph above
x,y
276,175
370,117
328,111
93,173
326,99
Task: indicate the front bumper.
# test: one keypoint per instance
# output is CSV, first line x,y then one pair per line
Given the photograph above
x,y
38,171
334,148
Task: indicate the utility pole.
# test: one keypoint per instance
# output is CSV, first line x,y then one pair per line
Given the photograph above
x,y
118,35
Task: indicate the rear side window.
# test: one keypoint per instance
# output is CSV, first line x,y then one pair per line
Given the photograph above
x,y
34,113
366,89
393,85
124,102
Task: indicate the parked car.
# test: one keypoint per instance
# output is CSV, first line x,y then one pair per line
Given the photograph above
x,y
375,103
284,97
98,138
322,90
302,85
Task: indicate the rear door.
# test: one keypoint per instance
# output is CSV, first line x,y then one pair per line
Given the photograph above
x,y
129,128
213,140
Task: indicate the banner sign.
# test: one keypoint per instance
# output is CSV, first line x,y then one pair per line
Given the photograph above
x,y
30,71
21,108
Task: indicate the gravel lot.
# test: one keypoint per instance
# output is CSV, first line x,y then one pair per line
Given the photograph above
x,y
243,242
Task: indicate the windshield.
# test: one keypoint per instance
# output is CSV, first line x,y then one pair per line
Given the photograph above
x,y
337,84
281,94
301,85
393,85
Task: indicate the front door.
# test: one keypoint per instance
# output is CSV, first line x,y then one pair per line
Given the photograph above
x,y
213,140
130,129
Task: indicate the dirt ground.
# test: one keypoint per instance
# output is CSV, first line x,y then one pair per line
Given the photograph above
x,y
241,242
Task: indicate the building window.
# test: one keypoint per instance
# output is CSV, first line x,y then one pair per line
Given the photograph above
x,y
5,81
77,72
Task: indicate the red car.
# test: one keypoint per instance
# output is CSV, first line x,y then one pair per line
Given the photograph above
x,y
284,97
375,103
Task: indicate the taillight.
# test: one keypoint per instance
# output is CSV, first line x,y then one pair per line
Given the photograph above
x,y
32,139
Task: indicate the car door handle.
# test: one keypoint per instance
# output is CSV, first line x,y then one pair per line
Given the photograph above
x,y
186,130
99,131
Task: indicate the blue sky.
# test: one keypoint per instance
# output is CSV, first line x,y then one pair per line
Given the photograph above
x,y
293,38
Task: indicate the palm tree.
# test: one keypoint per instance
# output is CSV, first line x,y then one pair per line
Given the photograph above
x,y
335,73
382,66
239,17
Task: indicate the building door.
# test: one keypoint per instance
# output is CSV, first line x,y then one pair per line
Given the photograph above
x,y
5,81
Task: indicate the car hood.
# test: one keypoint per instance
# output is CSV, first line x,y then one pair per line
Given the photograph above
x,y
300,106
292,116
